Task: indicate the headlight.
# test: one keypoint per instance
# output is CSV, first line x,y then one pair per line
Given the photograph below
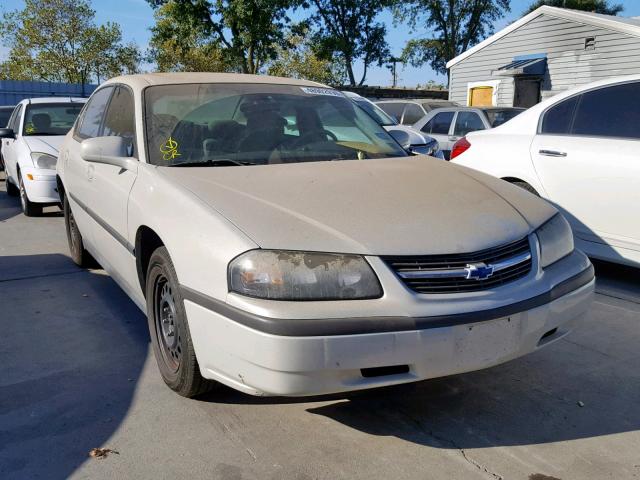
x,y
44,160
556,240
289,275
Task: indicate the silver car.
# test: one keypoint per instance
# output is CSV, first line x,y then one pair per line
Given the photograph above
x,y
448,125
282,243
408,112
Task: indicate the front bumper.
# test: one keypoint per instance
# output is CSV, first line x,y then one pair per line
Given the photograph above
x,y
252,358
42,186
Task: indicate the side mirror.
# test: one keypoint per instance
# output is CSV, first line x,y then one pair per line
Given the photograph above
x,y
7,133
108,150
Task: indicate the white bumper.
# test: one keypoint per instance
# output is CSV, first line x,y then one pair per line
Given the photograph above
x,y
259,363
40,185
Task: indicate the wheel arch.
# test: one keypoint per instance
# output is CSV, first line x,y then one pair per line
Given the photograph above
x,y
147,241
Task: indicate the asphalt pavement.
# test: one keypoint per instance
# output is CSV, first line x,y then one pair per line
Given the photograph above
x,y
77,373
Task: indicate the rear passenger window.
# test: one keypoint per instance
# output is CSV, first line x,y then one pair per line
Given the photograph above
x,y
120,118
412,114
93,113
557,120
439,124
467,122
393,109
609,112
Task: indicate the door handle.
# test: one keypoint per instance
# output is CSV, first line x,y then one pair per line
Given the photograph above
x,y
552,153
454,139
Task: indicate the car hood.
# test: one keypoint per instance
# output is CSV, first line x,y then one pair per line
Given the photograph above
x,y
415,136
402,206
46,144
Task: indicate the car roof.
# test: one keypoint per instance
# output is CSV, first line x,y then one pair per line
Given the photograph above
x,y
142,80
53,100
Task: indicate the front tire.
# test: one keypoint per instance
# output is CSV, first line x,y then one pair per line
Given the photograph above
x,y
527,187
29,208
169,329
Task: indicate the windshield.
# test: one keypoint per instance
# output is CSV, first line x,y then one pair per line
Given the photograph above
x,y
5,113
258,124
50,118
497,117
375,112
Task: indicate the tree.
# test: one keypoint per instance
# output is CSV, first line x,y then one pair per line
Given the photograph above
x,y
456,25
597,6
183,44
348,28
57,40
244,33
300,61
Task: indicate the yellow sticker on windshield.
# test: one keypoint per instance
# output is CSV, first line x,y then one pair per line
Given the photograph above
x,y
29,128
169,150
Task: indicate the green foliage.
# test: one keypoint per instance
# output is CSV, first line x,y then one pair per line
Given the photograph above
x,y
241,35
57,40
300,61
348,28
181,44
455,26
597,6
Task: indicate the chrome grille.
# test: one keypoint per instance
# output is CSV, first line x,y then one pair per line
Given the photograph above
x,y
454,273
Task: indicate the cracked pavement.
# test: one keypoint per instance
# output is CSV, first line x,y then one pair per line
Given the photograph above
x,y
77,373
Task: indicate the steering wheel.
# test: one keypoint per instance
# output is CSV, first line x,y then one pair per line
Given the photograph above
x,y
313,136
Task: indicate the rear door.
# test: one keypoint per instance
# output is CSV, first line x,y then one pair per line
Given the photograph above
x,y
439,127
587,157
466,122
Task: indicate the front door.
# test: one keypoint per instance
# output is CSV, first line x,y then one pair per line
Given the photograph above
x,y
108,195
10,146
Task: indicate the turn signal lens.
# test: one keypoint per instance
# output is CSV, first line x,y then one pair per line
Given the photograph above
x,y
29,176
459,147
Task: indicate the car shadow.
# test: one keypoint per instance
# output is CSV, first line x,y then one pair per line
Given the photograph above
x,y
576,388
73,348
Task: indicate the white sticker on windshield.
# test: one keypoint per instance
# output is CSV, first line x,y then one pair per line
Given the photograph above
x,y
321,91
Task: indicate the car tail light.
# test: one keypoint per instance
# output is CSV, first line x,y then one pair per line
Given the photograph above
x,y
459,147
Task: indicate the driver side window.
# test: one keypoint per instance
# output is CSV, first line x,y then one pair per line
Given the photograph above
x,y
89,125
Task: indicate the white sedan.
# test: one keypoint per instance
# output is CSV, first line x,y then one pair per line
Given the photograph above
x,y
579,150
282,243
30,145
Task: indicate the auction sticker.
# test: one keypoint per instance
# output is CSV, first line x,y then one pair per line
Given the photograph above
x,y
321,91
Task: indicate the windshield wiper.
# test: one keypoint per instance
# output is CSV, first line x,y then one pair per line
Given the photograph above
x,y
224,162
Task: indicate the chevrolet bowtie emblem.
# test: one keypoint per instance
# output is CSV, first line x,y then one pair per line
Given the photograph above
x,y
478,271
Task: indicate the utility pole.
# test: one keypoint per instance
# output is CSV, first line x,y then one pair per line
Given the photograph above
x,y
394,71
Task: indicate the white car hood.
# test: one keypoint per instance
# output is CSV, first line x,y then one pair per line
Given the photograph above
x,y
416,205
46,143
415,136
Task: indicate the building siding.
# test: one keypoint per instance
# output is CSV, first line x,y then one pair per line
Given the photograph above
x,y
568,63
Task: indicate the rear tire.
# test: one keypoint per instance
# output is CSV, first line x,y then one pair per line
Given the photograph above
x,y
29,208
527,187
169,329
12,190
79,255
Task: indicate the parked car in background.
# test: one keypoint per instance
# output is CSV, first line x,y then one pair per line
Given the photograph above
x,y
580,150
5,113
30,145
411,139
282,243
448,125
408,112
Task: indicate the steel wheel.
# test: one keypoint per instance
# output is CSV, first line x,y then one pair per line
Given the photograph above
x,y
167,329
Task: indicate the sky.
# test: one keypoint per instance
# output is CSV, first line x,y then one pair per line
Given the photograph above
x,y
136,17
